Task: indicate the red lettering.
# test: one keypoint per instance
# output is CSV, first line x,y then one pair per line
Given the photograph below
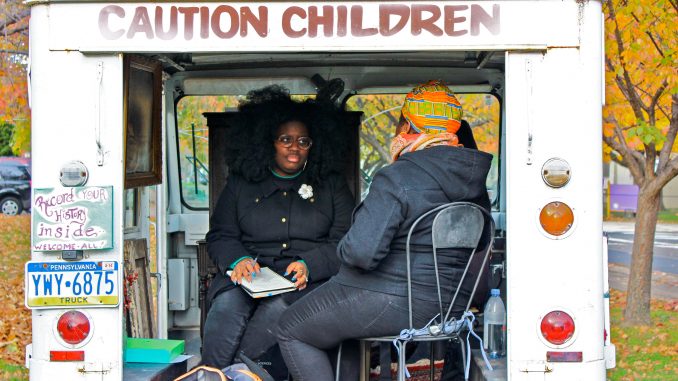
x,y
479,16
342,20
260,24
225,22
204,22
451,20
104,17
141,23
287,22
385,13
420,23
188,13
326,20
357,28
172,32
233,21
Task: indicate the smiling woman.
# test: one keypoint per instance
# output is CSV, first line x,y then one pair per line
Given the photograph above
x,y
285,206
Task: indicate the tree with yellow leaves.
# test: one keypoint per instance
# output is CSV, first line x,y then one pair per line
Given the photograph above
x,y
13,61
641,121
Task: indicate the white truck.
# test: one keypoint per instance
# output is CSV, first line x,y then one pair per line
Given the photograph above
x,y
129,101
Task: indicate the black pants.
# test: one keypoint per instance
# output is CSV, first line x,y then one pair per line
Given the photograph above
x,y
334,313
236,322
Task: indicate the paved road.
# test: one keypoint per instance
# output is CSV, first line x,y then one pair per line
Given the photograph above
x,y
665,250
664,264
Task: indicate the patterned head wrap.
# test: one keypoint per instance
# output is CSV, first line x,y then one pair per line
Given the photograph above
x,y
434,113
432,108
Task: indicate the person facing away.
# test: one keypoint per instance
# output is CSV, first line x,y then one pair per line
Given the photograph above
x,y
285,206
368,297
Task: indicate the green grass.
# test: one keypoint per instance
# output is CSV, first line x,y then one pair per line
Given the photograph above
x,y
645,353
670,216
12,372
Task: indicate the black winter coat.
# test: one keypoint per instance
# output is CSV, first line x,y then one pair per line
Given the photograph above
x,y
372,253
270,221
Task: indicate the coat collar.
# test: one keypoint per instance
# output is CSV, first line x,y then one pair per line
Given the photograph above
x,y
268,186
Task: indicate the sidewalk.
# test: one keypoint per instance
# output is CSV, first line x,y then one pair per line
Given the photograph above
x,y
628,226
664,285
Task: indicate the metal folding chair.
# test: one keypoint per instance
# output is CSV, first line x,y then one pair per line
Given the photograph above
x,y
458,225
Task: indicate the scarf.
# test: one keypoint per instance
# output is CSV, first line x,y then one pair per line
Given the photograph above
x,y
405,143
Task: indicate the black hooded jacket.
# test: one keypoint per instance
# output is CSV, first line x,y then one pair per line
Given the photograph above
x,y
372,253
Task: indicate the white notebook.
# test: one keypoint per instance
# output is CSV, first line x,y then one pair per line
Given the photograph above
x,y
266,283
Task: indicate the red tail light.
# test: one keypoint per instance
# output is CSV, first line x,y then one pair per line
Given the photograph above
x,y
73,327
557,327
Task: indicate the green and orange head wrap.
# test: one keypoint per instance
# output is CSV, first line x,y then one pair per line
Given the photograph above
x,y
432,108
434,115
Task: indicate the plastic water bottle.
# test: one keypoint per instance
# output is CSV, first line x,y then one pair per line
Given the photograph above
x,y
494,326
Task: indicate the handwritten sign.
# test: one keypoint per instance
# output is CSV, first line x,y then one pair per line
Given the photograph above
x,y
78,218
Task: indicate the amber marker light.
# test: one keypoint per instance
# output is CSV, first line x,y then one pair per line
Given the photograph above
x,y
556,218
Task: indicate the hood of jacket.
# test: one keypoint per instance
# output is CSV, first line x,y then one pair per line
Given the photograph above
x,y
460,172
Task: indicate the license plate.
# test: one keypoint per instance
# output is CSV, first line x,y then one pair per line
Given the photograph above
x,y
76,284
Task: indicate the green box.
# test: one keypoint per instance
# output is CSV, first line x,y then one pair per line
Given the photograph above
x,y
152,350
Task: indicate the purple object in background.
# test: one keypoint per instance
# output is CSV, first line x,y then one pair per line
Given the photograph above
x,y
623,197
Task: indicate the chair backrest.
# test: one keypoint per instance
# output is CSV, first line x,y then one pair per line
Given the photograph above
x,y
458,225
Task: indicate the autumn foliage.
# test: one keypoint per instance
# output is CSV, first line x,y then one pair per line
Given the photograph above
x,y
13,77
641,120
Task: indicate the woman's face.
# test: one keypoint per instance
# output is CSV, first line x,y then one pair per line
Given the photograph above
x,y
290,160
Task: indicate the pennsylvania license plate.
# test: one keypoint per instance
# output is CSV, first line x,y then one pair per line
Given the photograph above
x,y
72,284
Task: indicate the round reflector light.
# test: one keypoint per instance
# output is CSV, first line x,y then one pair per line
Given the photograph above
x,y
73,327
556,218
557,327
556,172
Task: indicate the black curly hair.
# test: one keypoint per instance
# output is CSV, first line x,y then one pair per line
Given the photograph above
x,y
249,145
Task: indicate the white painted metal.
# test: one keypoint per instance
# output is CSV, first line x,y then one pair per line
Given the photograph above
x,y
132,27
610,349
553,110
161,245
178,271
68,104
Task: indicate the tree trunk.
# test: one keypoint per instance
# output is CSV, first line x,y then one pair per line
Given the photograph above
x,y
662,206
640,279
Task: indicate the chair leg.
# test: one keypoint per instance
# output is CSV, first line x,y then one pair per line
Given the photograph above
x,y
385,361
463,355
402,362
337,376
364,360
432,362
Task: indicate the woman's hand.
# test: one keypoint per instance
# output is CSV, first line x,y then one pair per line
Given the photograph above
x,y
300,271
247,268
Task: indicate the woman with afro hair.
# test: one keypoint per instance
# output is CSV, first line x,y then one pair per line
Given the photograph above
x,y
285,206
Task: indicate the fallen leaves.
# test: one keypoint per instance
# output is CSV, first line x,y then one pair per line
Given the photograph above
x,y
15,320
645,352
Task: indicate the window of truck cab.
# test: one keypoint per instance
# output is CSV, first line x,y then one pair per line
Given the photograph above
x,y
381,113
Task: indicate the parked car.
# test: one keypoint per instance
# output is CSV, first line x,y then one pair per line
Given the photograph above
x,y
15,185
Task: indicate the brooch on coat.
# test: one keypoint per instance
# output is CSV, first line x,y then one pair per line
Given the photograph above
x,y
305,191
